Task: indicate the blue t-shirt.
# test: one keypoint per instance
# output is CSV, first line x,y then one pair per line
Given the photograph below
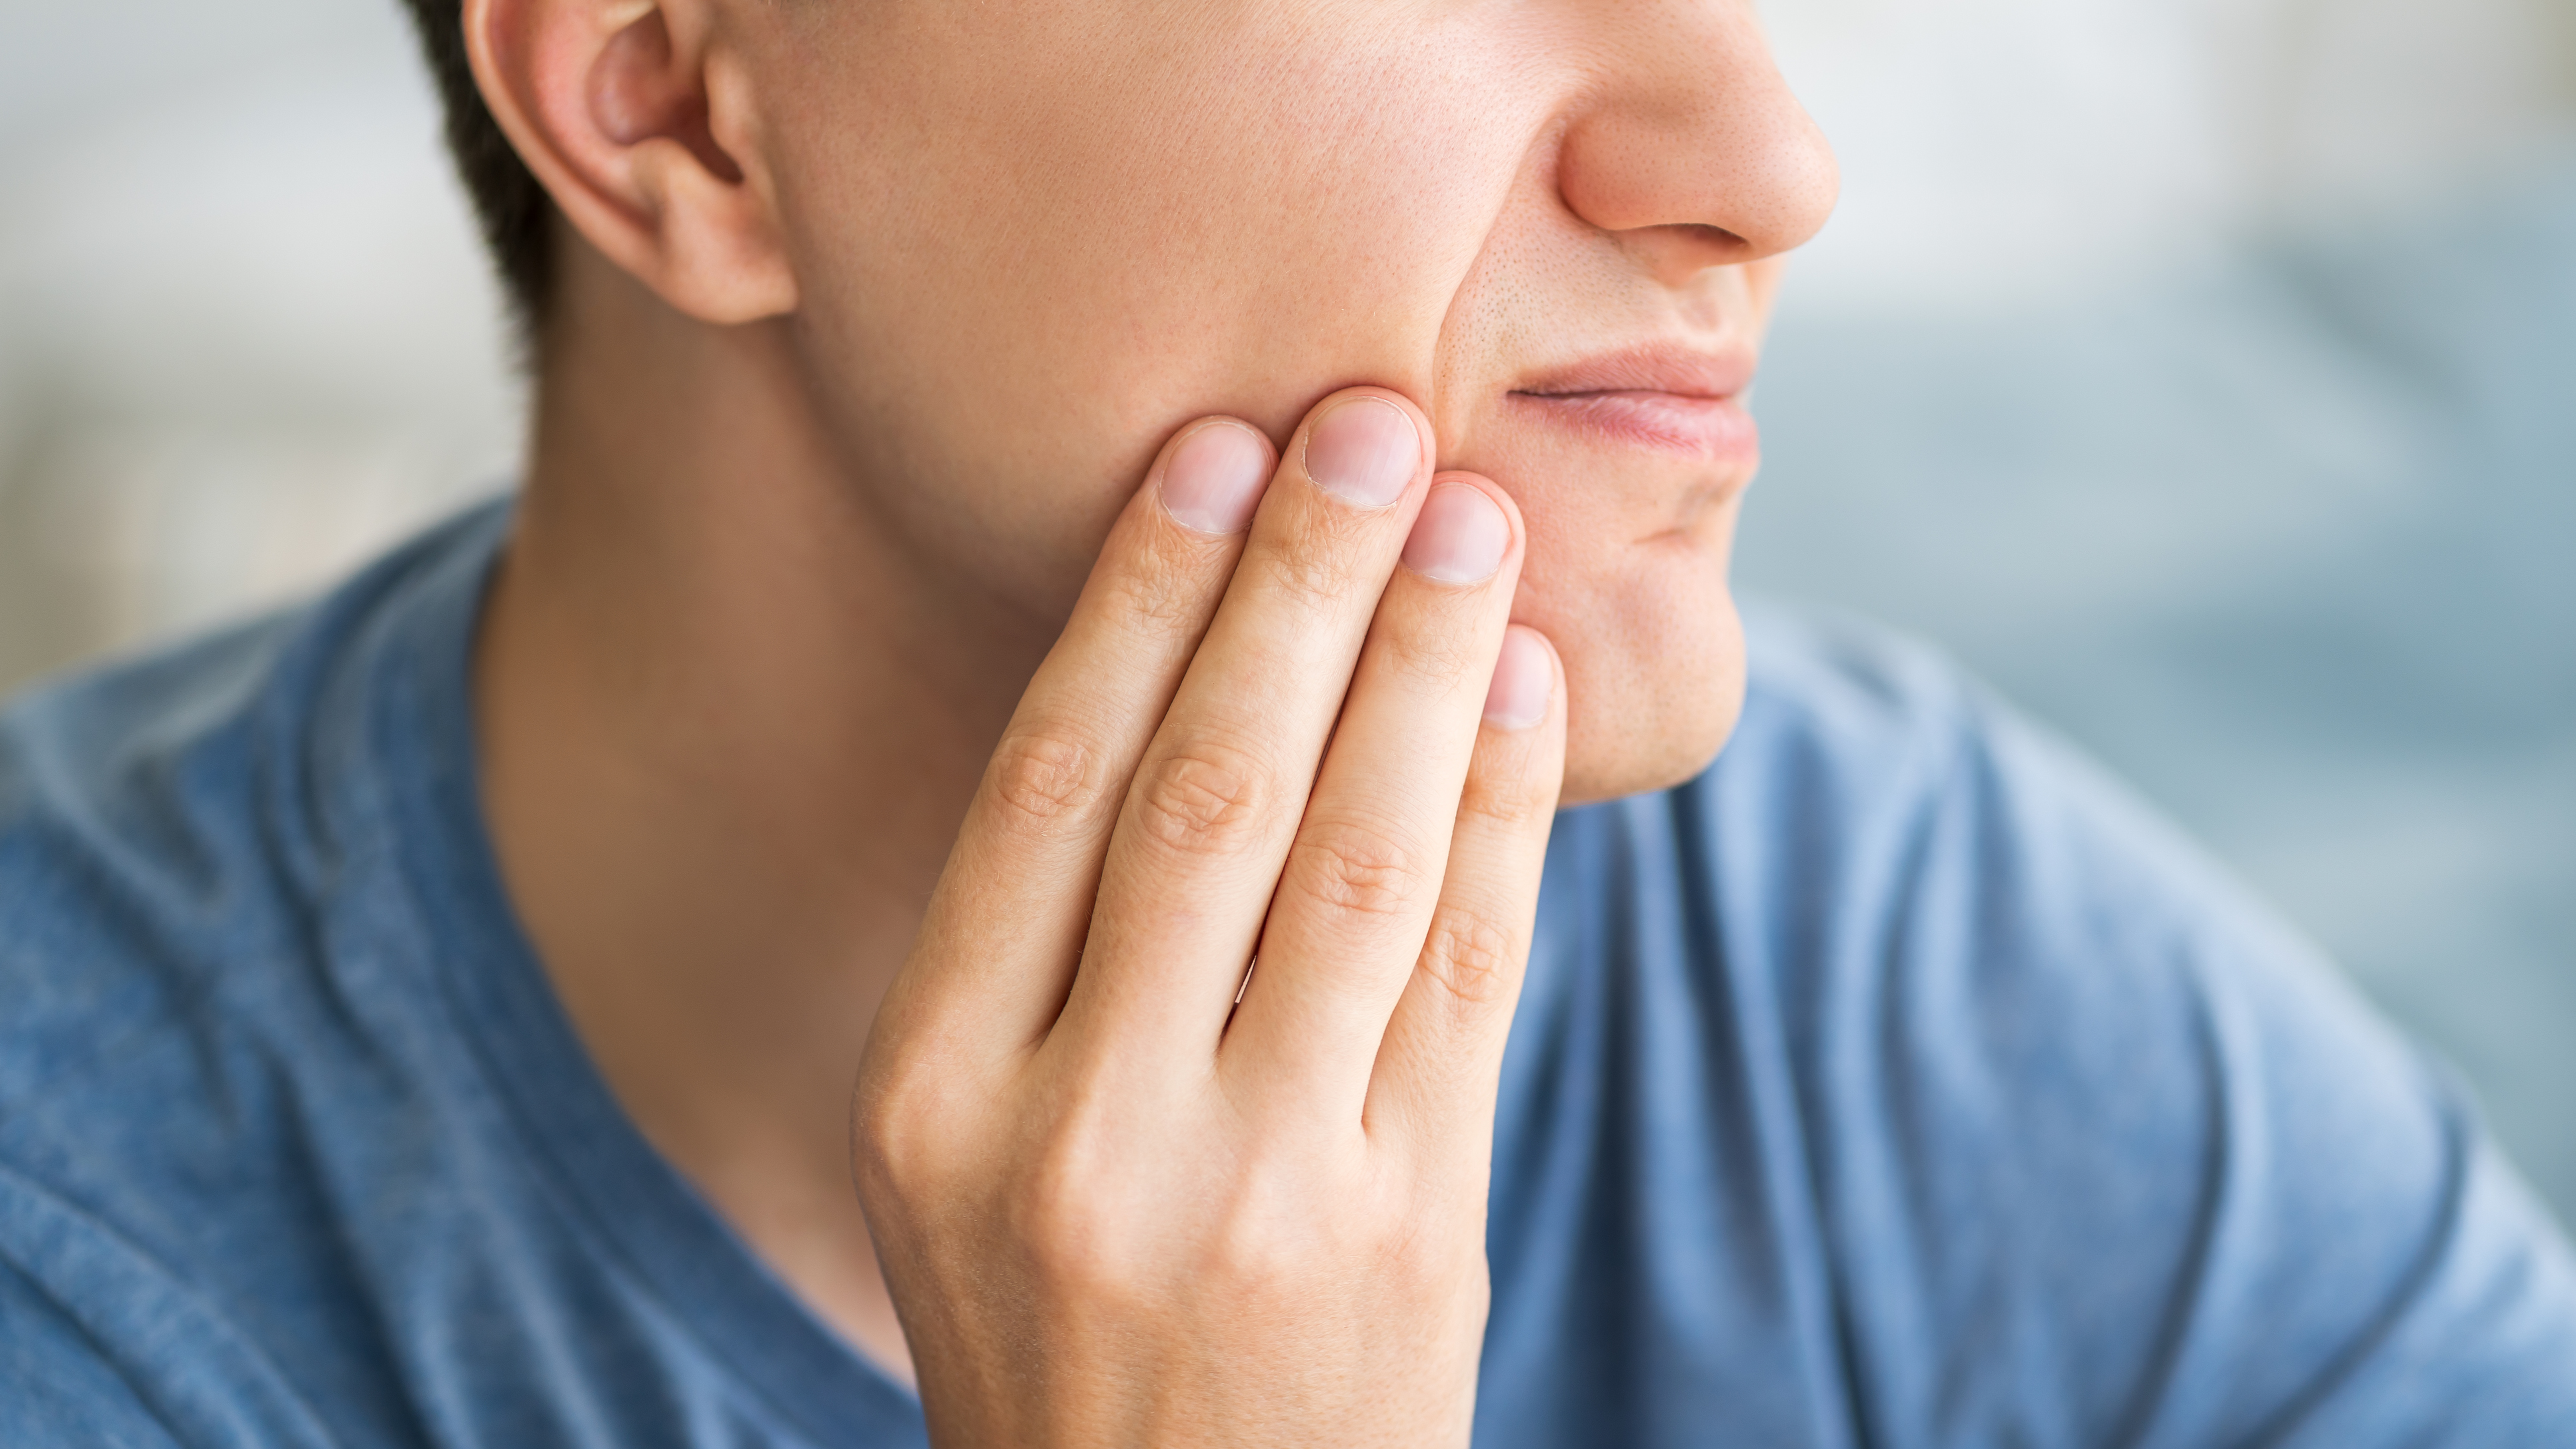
x,y
1893,1084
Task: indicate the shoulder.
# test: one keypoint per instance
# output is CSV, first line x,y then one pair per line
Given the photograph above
x,y
2081,1112
1895,800
103,1347
130,867
202,968
130,851
168,824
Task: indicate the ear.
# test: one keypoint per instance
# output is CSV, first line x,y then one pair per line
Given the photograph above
x,y
643,135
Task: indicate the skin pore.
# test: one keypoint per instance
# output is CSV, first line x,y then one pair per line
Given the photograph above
x,y
872,319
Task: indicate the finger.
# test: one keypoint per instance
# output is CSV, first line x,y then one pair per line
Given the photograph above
x,y
1357,894
997,948
1435,1074
1216,800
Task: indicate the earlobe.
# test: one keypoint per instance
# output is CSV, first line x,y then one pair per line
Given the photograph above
x,y
610,105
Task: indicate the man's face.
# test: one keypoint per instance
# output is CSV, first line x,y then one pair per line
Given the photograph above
x,y
1033,238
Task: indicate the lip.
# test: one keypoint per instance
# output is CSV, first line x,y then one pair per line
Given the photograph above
x,y
1670,399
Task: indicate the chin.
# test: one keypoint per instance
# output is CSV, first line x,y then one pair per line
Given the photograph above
x,y
1648,711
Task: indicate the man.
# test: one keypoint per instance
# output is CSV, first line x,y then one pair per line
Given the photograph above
x,y
1068,557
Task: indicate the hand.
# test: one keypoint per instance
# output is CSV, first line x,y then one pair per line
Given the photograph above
x,y
1113,1206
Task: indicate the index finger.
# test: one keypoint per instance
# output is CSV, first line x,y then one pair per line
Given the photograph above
x,y
1005,926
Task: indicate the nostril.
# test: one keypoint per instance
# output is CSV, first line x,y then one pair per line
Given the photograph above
x,y
1712,246
1679,250
1715,236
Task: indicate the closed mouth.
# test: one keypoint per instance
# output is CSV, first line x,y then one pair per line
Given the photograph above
x,y
1662,396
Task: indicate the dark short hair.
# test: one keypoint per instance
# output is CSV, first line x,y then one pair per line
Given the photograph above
x,y
516,214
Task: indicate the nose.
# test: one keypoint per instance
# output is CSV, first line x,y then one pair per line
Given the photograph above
x,y
1692,146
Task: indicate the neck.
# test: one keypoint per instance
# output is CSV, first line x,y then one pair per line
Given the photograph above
x,y
728,732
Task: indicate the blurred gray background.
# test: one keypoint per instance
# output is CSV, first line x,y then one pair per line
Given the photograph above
x,y
2201,372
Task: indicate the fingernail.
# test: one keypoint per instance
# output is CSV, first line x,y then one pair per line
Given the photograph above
x,y
1365,451
1524,677
1215,478
1459,537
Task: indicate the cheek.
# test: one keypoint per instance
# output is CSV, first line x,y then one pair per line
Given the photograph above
x,y
1014,293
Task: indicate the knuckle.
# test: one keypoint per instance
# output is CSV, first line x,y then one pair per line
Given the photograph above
x,y
1066,1218
1270,1237
1070,1243
898,1128
1502,790
1424,1265
1414,1252
1317,570
1434,648
878,1149
1256,1261
1206,799
1046,774
1162,588
1468,956
1356,869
